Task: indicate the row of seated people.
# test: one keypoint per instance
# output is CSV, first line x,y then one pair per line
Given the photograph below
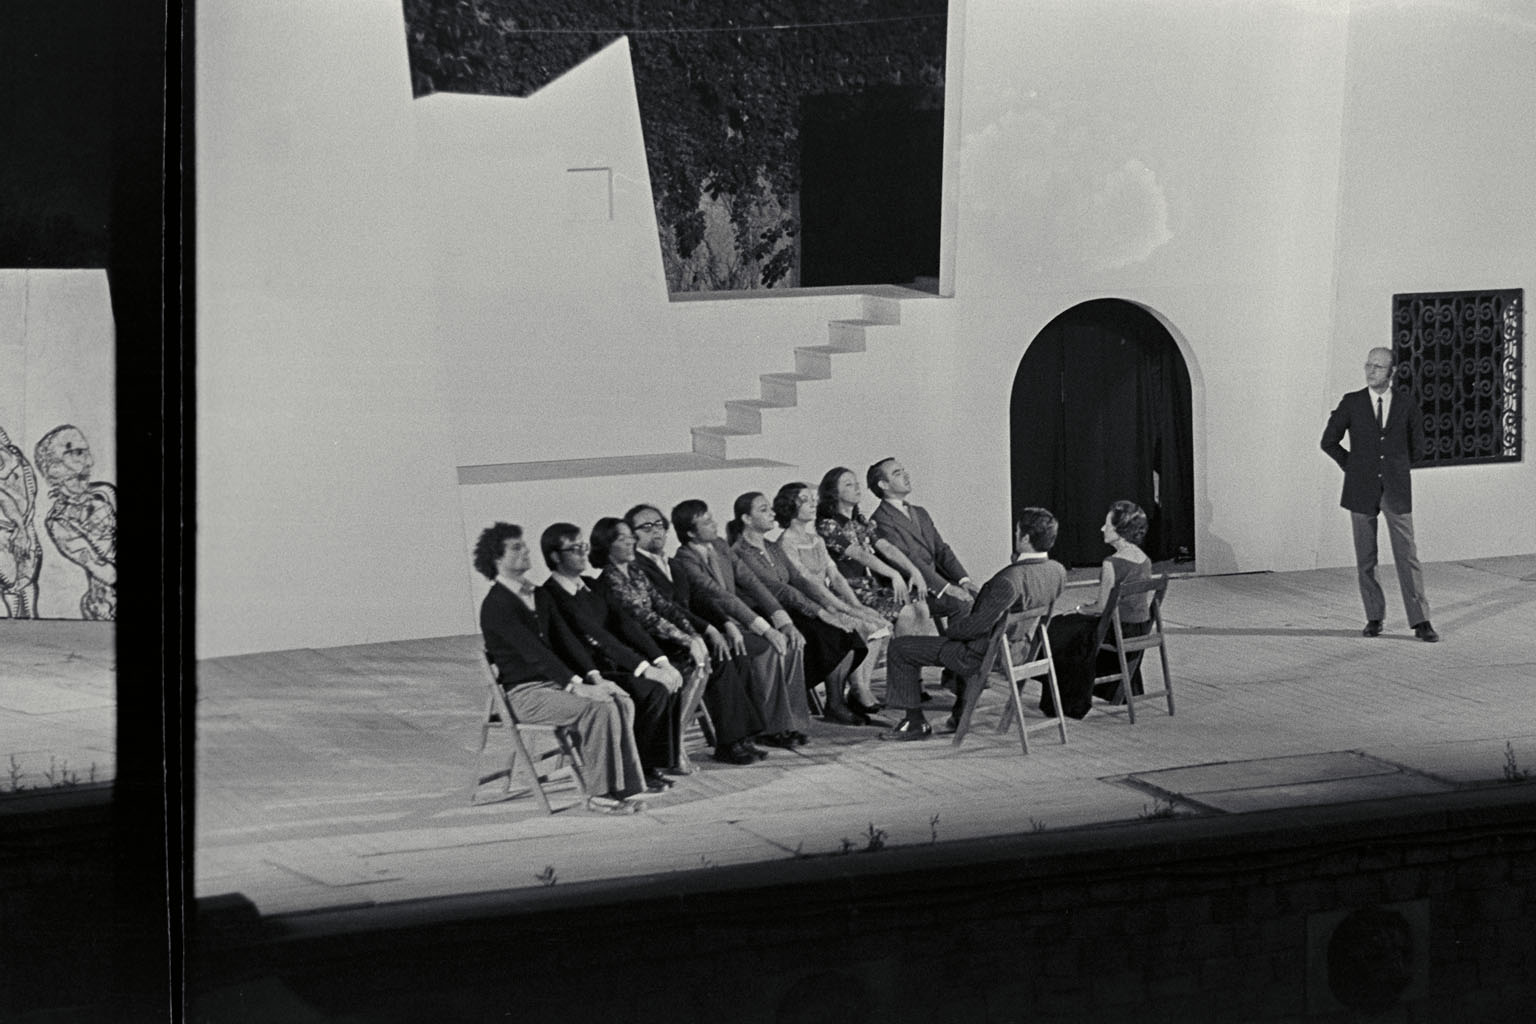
x,y
754,621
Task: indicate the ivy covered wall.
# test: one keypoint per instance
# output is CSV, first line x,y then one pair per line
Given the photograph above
x,y
721,87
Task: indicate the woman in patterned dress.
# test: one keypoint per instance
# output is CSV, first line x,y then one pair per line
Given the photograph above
x,y
688,640
794,508
864,560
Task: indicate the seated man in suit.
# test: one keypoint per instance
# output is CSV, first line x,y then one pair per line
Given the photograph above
x,y
521,630
733,630
634,662
910,529
1031,580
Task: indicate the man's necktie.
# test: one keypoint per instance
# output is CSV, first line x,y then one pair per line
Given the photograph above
x,y
1379,423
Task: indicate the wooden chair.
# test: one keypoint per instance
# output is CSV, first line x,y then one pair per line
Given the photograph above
x,y
1037,664
691,711
498,714
1129,651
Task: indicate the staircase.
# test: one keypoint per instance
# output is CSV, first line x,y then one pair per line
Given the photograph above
x,y
745,417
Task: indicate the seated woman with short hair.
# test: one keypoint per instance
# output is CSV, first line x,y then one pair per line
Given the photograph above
x,y
1078,660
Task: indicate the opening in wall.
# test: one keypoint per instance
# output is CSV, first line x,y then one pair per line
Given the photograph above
x,y
1460,354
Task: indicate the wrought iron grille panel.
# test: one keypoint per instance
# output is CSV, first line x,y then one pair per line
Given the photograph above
x,y
1459,353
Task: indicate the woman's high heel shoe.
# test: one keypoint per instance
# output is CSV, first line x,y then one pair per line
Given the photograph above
x,y
857,706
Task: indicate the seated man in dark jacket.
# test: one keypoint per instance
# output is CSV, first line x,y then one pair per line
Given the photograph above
x,y
620,647
522,632
1031,580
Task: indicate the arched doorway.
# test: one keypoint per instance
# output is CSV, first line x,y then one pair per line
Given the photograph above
x,y
1101,411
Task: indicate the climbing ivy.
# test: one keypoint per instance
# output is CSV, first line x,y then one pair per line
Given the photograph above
x,y
720,84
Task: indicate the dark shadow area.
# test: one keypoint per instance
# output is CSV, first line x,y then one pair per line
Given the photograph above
x,y
871,167
91,878
1101,411
1212,914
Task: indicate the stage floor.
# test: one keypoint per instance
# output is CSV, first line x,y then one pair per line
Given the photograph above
x,y
343,776
58,705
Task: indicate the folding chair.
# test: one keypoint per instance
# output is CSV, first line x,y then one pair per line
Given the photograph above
x,y
498,714
1037,664
1129,651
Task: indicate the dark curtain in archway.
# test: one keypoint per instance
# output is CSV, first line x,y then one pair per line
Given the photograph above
x,y
1100,412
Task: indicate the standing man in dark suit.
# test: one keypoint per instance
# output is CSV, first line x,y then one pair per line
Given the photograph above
x,y
1031,580
634,662
1385,437
911,530
521,630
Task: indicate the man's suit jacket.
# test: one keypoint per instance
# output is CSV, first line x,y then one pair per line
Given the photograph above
x,y
528,645
1033,583
919,540
679,591
739,582
1377,461
614,640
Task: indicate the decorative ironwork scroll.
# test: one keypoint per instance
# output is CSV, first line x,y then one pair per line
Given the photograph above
x,y
1459,352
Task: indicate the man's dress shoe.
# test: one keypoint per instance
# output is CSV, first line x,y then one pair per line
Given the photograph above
x,y
1424,631
1372,628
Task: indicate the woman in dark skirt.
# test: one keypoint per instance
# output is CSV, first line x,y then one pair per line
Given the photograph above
x,y
831,652
1077,659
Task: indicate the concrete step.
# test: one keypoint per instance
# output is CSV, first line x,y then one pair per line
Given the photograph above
x,y
881,310
814,361
848,335
779,388
714,441
747,413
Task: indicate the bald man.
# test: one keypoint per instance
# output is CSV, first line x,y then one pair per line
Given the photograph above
x,y
1385,436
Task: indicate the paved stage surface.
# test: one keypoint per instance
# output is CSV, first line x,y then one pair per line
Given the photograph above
x,y
343,776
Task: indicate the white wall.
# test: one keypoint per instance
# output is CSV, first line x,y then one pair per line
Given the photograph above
x,y
1438,195
58,366
392,288
327,511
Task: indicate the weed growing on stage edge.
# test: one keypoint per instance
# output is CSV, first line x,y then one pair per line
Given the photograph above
x,y
874,841
1036,826
1163,808
547,876
58,774
933,829
1512,770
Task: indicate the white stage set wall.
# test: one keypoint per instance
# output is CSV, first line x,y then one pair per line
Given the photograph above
x,y
392,290
57,367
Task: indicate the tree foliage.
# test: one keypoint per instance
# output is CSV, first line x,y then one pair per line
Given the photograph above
x,y
720,85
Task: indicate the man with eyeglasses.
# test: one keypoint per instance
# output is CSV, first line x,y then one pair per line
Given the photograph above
x,y
547,675
1386,435
620,647
777,668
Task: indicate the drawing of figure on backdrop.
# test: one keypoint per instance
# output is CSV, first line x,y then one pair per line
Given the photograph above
x,y
83,519
21,555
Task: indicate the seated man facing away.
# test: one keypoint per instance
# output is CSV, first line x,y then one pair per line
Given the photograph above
x,y
1031,580
522,631
634,663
